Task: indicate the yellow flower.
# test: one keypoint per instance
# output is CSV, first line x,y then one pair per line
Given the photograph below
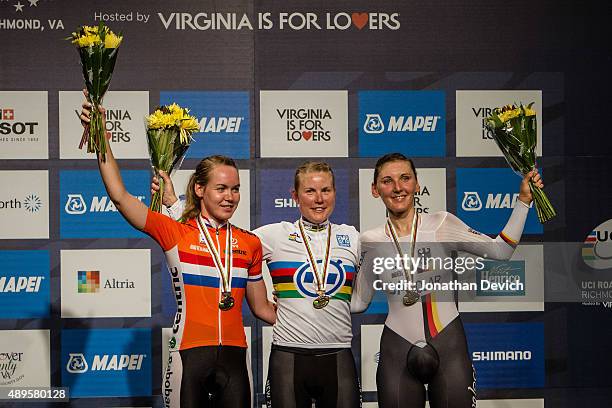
x,y
529,112
87,40
509,114
111,40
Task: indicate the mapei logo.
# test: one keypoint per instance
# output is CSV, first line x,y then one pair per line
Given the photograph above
x,y
76,205
20,284
306,124
401,123
472,202
31,203
221,124
305,281
77,363
597,247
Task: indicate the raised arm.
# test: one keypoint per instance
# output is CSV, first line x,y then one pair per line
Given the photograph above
x,y
132,209
501,247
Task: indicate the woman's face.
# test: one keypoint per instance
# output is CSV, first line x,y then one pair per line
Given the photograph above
x,y
220,197
316,196
396,186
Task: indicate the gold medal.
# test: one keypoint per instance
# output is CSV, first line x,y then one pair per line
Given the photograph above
x,y
321,301
320,277
227,301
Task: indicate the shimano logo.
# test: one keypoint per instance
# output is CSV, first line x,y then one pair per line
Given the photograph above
x,y
76,205
19,284
227,124
374,123
284,203
77,364
501,355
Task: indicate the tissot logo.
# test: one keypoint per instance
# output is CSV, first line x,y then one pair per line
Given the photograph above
x,y
23,124
10,125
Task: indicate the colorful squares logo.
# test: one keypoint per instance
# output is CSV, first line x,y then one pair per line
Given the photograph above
x,y
89,281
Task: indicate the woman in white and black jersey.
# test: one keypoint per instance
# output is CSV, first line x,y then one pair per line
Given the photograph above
x,y
423,341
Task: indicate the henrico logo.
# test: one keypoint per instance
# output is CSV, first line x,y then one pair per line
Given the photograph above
x,y
305,124
8,366
77,364
518,355
285,203
20,284
75,204
10,126
597,247
374,123
227,124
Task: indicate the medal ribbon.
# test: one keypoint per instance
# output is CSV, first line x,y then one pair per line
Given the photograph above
x,y
413,234
225,271
320,280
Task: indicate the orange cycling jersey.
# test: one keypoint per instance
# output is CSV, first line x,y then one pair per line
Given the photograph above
x,y
197,284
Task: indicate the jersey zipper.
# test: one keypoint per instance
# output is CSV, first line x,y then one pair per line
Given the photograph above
x,y
219,288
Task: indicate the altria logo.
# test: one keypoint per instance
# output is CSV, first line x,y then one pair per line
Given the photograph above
x,y
115,124
305,124
20,284
31,203
77,363
76,205
524,355
374,123
227,124
10,125
282,21
472,202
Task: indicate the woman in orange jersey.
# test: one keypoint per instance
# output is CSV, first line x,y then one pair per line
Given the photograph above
x,y
208,350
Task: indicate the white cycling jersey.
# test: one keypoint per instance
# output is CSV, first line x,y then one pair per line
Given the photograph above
x,y
438,235
298,323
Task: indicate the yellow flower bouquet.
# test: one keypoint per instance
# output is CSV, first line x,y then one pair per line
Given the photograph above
x,y
98,47
514,130
169,130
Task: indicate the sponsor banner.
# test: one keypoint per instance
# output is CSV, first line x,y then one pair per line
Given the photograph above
x,y
276,202
24,284
24,125
20,17
166,334
597,249
472,109
106,283
86,211
25,358
24,204
242,216
498,403
106,362
303,123
370,354
431,199
507,355
225,125
402,121
525,267
125,113
486,197
266,341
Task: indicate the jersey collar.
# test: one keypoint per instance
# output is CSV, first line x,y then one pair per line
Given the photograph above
x,y
310,226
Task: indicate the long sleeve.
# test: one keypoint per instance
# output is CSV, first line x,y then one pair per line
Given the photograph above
x,y
363,291
176,210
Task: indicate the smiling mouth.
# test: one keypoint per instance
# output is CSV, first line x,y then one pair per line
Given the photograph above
x,y
399,197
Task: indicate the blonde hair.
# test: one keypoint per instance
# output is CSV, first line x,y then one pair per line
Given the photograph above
x,y
201,176
312,167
